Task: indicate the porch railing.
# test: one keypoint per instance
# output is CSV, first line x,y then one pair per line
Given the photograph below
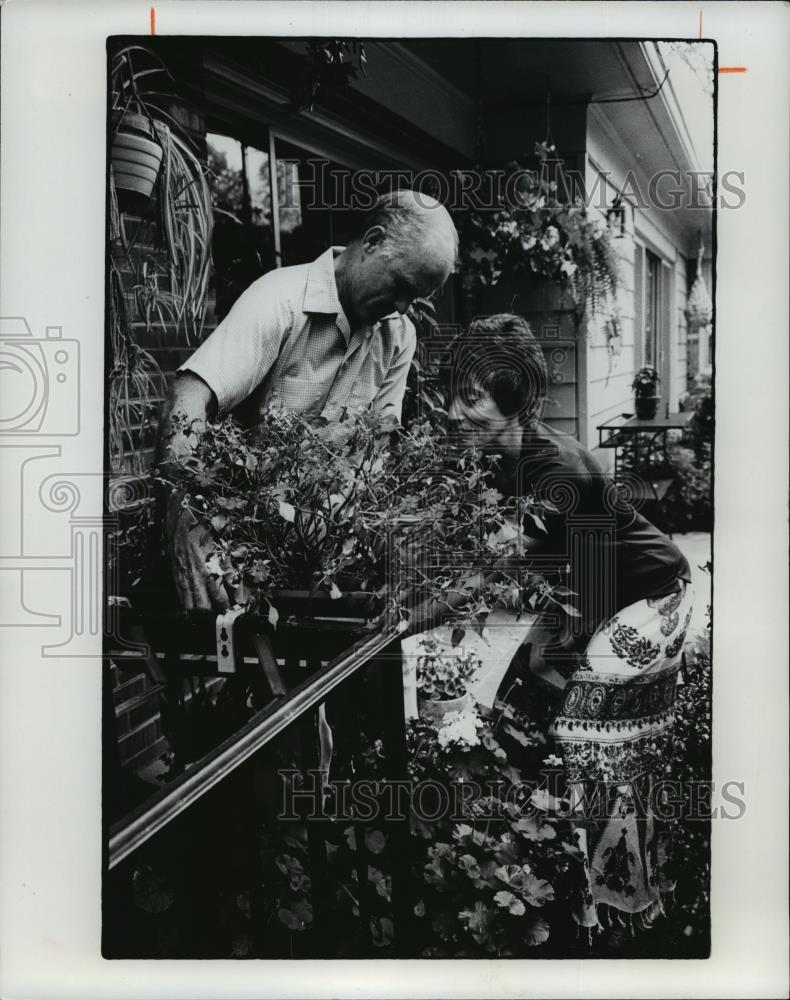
x,y
297,707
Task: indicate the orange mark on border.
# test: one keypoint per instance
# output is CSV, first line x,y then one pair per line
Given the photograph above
x,y
733,69
700,22
153,20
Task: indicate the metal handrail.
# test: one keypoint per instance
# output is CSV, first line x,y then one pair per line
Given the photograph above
x,y
133,831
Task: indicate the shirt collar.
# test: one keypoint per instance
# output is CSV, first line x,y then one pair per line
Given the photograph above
x,y
321,295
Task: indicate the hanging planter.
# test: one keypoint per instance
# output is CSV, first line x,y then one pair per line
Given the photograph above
x,y
136,155
699,308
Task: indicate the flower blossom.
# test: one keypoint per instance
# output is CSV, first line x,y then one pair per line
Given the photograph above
x,y
550,237
460,728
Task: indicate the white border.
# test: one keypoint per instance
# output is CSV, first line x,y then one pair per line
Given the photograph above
x,y
53,93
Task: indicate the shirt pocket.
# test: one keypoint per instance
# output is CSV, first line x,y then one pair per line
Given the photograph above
x,y
304,396
368,380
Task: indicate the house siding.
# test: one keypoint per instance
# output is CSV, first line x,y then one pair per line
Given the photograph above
x,y
608,379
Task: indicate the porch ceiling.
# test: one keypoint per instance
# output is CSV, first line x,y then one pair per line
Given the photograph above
x,y
518,73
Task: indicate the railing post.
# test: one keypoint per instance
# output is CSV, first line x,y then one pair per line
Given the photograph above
x,y
396,764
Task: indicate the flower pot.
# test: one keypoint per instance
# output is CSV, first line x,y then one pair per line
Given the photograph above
x,y
437,711
646,406
353,605
136,155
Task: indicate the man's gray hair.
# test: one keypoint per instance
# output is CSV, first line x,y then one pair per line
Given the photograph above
x,y
410,217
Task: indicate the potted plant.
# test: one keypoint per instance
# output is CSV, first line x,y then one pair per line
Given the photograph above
x,y
646,396
357,506
541,232
156,172
137,150
443,680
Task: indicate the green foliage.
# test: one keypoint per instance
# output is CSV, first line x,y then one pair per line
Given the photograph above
x,y
168,283
329,64
545,232
441,677
496,877
646,381
354,504
690,507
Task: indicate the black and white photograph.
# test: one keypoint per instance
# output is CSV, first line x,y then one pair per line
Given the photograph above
x,y
409,428
393,565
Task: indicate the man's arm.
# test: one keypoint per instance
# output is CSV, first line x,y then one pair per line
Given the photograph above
x,y
189,541
222,372
189,399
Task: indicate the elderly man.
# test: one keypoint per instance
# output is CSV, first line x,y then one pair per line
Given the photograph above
x,y
313,338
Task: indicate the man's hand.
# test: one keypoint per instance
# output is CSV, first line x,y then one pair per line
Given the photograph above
x,y
190,549
189,540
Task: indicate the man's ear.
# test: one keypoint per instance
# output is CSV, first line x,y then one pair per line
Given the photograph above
x,y
373,238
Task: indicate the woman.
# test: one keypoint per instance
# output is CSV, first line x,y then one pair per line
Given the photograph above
x,y
606,685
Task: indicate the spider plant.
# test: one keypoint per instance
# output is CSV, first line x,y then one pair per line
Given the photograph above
x,y
136,384
184,216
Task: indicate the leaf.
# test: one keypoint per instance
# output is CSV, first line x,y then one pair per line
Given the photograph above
x,y
150,891
534,828
478,921
570,610
213,567
274,616
297,916
536,891
287,511
241,946
375,841
536,931
335,592
457,636
518,734
379,881
382,931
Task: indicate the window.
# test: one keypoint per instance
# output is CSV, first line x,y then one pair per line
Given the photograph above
x,y
652,323
243,246
312,211
651,293
311,195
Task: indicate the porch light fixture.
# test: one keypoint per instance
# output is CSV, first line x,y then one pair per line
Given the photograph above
x,y
615,217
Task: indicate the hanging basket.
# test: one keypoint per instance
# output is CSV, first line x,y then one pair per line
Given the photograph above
x,y
699,308
136,155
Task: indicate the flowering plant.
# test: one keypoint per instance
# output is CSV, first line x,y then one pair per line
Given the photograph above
x,y
356,504
442,677
645,381
536,231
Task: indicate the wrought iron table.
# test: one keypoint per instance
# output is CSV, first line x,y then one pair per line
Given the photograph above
x,y
640,451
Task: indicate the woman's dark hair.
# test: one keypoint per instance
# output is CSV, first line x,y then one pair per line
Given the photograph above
x,y
499,354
